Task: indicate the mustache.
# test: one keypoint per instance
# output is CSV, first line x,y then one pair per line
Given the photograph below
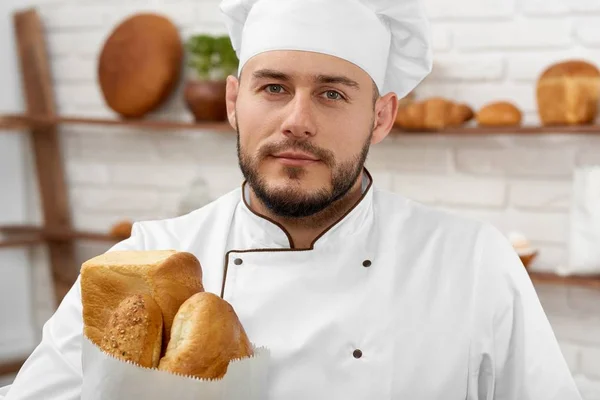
x,y
326,156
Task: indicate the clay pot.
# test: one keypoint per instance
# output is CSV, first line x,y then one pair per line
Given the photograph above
x,y
206,100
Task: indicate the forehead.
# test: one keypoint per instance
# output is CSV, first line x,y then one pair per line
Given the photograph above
x,y
305,64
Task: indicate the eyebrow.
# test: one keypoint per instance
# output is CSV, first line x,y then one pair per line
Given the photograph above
x,y
273,74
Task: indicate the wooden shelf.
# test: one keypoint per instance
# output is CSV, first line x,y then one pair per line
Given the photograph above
x,y
11,367
41,235
20,242
592,282
23,121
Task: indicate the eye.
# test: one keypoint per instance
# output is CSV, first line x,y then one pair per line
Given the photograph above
x,y
333,95
274,88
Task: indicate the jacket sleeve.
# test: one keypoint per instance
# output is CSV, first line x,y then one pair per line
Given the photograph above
x,y
515,353
53,370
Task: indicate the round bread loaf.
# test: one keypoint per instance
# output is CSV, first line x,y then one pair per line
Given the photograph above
x,y
206,335
501,113
140,64
567,93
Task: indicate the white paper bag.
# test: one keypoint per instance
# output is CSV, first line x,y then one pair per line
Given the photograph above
x,y
584,235
108,378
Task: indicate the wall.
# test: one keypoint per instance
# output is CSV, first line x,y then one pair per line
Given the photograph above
x,y
18,336
485,50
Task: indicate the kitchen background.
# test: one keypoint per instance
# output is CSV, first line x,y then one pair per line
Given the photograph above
x,y
484,50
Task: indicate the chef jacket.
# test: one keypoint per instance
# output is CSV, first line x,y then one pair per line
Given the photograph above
x,y
396,300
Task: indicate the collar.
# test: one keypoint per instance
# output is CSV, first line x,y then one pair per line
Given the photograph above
x,y
267,233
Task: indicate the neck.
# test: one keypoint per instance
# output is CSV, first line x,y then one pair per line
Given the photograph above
x,y
304,231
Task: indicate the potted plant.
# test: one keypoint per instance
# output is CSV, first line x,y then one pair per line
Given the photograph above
x,y
211,59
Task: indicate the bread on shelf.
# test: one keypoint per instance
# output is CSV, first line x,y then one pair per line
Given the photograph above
x,y
433,114
139,64
567,93
499,113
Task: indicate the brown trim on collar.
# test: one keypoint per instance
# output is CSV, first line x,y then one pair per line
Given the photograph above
x,y
292,248
290,240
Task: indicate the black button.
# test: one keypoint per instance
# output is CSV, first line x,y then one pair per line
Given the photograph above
x,y
357,353
367,263
237,261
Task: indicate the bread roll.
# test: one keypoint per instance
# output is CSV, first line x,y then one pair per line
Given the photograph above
x,y
134,331
168,276
206,335
500,113
567,93
433,114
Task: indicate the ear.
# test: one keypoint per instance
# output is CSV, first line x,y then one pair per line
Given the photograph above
x,y
386,109
231,95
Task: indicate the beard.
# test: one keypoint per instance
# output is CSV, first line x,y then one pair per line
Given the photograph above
x,y
291,202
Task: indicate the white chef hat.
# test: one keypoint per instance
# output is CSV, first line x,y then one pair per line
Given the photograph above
x,y
389,39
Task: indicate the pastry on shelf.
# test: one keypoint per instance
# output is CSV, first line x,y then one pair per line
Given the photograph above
x,y
434,113
527,253
121,229
567,93
499,113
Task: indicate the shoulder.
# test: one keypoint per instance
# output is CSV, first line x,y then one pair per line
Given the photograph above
x,y
428,220
175,232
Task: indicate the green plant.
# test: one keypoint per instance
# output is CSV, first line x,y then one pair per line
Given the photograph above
x,y
211,57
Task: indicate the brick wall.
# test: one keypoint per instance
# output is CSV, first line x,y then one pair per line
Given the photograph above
x,y
485,50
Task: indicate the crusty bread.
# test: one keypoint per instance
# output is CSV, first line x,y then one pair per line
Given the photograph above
x,y
134,331
501,113
139,64
169,276
432,114
567,93
206,335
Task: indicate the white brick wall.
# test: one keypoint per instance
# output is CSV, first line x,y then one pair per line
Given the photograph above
x,y
485,50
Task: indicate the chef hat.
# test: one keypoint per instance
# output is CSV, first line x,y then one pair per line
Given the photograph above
x,y
389,39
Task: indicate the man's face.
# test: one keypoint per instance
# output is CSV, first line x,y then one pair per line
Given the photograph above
x,y
304,123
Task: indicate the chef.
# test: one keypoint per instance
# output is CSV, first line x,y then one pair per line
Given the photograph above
x,y
359,293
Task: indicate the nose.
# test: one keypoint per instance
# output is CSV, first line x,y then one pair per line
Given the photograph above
x,y
299,121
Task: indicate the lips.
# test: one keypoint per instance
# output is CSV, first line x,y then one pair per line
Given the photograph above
x,y
295,155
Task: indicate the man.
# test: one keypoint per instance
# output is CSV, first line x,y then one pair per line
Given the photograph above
x,y
358,293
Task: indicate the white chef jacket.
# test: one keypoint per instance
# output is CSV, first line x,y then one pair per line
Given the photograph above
x,y
394,301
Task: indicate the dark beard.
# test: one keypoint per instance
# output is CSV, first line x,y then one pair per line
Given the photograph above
x,y
289,203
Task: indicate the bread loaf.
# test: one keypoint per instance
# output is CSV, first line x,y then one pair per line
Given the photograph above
x,y
500,113
168,276
134,331
206,335
433,114
567,93
140,64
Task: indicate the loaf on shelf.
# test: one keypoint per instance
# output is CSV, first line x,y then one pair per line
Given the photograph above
x,y
567,93
433,114
139,64
499,113
121,230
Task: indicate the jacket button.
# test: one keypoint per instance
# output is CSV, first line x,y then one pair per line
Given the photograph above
x,y
357,354
238,261
367,263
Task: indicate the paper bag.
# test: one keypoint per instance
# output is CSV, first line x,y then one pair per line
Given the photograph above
x,y
108,378
584,233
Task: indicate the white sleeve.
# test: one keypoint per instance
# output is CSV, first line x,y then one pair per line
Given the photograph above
x,y
515,350
53,370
